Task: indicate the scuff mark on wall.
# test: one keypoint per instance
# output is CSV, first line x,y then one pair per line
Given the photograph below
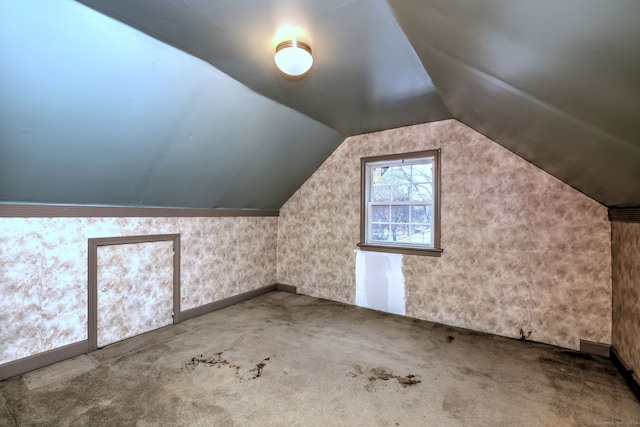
x,y
380,282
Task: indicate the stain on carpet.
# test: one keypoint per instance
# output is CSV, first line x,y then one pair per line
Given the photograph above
x,y
381,374
219,361
214,360
259,367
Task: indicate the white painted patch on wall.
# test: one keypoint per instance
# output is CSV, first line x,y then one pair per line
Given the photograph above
x,y
380,282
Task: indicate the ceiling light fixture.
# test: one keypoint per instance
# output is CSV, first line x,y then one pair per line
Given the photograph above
x,y
293,57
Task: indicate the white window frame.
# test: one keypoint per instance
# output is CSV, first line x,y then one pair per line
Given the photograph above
x,y
405,159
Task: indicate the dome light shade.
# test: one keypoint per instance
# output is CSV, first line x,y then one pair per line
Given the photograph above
x,y
293,57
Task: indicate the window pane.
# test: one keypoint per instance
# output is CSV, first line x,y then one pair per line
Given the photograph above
x,y
420,213
388,175
423,173
399,232
380,213
382,193
421,192
379,232
376,175
401,193
393,175
399,213
420,234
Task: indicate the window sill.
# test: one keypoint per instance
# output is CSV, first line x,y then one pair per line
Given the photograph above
x,y
434,252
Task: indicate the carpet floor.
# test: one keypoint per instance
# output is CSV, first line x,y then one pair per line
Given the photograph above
x,y
282,359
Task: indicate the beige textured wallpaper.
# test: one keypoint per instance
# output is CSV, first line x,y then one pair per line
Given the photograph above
x,y
521,249
625,247
43,270
135,289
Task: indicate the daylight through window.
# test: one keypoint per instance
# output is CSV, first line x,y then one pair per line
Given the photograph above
x,y
401,202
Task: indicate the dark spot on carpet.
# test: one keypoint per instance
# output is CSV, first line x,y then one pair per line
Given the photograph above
x,y
408,380
383,375
215,360
259,367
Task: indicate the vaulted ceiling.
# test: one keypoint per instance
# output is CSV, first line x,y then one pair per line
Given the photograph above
x,y
178,103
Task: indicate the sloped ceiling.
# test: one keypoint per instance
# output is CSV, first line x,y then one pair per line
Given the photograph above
x,y
557,82
177,103
366,77
94,112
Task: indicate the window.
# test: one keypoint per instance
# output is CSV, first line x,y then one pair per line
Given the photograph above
x,y
401,203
